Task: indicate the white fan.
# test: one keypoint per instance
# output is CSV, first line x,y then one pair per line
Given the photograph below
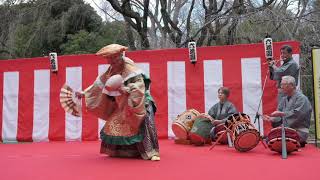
x,y
70,100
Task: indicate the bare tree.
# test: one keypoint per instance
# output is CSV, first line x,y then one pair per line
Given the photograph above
x,y
132,16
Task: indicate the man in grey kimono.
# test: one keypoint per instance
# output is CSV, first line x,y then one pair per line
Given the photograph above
x,y
221,110
289,67
294,108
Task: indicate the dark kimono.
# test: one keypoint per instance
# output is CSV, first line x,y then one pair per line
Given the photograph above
x,y
288,68
297,109
221,111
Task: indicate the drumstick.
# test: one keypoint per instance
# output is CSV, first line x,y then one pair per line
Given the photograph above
x,y
215,143
230,143
283,141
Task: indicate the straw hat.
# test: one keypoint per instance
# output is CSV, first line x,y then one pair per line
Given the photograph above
x,y
111,50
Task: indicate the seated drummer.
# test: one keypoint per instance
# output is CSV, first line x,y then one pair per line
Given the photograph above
x,y
221,110
294,108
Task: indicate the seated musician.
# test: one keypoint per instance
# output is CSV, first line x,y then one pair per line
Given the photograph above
x,y
221,110
295,109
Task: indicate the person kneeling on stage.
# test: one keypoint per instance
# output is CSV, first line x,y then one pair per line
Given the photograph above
x,y
294,109
221,110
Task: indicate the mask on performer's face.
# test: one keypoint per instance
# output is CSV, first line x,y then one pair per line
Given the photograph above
x,y
115,60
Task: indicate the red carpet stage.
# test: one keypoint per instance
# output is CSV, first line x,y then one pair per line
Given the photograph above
x,y
82,161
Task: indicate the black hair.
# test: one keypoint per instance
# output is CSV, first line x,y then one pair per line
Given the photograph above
x,y
287,48
225,91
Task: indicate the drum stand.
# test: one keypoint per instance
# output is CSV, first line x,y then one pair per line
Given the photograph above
x,y
257,117
283,135
283,141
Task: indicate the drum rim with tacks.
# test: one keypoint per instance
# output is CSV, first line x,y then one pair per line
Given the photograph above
x,y
181,128
230,120
245,136
292,140
242,145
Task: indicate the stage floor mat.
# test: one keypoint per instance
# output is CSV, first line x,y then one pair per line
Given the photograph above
x,y
82,161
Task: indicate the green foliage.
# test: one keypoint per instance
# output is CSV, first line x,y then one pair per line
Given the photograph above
x,y
67,27
85,42
21,37
80,17
81,43
113,32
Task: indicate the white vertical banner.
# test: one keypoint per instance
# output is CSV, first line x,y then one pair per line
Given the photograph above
x,y
296,57
176,91
73,124
145,67
213,80
10,106
41,105
252,89
101,69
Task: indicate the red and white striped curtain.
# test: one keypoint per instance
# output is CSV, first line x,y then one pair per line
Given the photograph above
x,y
29,93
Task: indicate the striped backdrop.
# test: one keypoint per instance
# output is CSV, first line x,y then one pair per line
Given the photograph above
x,y
29,93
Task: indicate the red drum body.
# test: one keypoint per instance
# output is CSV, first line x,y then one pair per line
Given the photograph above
x,y
183,123
244,135
292,139
220,130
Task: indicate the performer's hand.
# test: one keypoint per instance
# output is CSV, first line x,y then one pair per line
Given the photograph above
x,y
135,97
78,95
277,114
124,89
128,89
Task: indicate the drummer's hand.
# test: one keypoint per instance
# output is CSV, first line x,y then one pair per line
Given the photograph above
x,y
216,122
267,118
277,114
